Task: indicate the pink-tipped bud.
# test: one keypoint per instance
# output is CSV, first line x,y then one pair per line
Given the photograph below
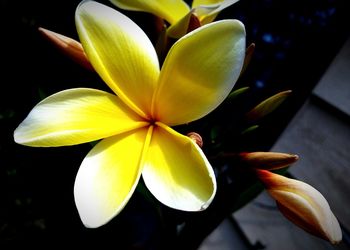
x,y
303,205
196,138
268,160
68,46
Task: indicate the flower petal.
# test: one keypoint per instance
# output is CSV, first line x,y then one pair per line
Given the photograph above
x,y
303,205
177,172
170,10
108,177
185,25
199,72
207,10
120,52
76,116
196,3
180,28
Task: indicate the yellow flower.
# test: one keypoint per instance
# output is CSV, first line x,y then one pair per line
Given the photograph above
x,y
303,205
198,73
176,12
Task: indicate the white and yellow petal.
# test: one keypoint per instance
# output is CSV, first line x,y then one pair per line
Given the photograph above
x,y
108,177
76,116
180,28
120,52
177,172
196,3
207,10
199,72
170,10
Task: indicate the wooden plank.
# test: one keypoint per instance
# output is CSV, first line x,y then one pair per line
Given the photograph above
x,y
334,86
266,227
224,237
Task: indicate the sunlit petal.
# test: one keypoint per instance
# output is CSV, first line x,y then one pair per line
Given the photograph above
x,y
76,116
177,172
180,28
120,52
183,26
196,3
170,10
204,11
207,10
199,72
108,176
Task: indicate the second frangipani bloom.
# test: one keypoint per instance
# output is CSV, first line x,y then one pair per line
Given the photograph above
x,y
198,73
176,12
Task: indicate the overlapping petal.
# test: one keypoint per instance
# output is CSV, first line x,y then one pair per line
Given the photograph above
x,y
207,10
76,116
180,28
120,52
196,3
199,72
176,171
170,10
108,176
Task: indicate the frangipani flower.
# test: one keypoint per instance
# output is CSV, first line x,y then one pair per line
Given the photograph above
x,y
176,12
303,205
200,70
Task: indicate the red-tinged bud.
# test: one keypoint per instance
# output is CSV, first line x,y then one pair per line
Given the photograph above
x,y
303,205
68,46
268,160
248,56
194,23
196,138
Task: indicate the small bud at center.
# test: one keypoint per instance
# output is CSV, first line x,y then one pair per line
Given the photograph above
x,y
196,138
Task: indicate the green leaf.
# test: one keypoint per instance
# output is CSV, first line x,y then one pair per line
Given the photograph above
x,y
250,129
234,94
267,106
42,94
214,133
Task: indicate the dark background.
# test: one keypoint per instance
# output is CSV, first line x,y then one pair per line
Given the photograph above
x,y
295,43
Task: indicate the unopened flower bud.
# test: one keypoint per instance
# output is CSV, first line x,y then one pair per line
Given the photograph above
x,y
268,160
303,205
196,138
69,46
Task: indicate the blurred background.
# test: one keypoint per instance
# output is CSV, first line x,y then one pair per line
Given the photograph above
x,y
296,43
